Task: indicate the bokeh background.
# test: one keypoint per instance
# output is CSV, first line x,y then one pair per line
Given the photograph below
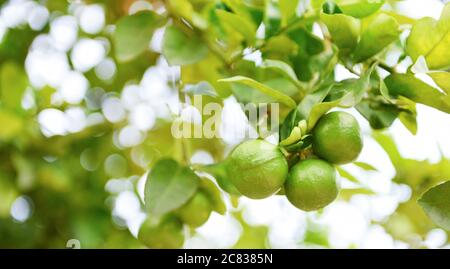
x,y
82,130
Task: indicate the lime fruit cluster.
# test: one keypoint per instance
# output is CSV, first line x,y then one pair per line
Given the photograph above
x,y
259,169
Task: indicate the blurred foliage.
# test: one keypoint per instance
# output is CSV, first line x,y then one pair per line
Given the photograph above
x,y
63,177
410,221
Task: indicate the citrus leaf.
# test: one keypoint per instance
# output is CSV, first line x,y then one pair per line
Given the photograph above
x,y
431,38
442,79
214,196
380,32
436,203
181,49
252,237
219,172
133,34
389,146
302,111
359,8
409,121
280,97
202,88
239,24
344,30
288,10
346,194
401,19
169,186
318,110
284,69
346,93
185,9
409,86
365,166
347,175
379,115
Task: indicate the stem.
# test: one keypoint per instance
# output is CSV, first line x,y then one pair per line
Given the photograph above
x,y
387,68
350,68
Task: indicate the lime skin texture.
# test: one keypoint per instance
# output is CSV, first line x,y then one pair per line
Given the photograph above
x,y
257,168
311,184
337,138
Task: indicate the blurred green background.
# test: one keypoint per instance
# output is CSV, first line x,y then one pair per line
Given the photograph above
x,y
82,119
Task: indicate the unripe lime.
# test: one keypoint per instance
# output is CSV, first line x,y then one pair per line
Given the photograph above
x,y
311,184
257,169
337,138
196,211
163,233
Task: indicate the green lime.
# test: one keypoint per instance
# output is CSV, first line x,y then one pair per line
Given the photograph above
x,y
257,169
196,211
337,138
311,184
163,233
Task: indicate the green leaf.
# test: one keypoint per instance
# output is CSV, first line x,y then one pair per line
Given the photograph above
x,y
184,9
133,34
344,30
408,116
317,4
284,69
219,172
347,175
272,18
288,10
214,196
380,32
246,94
436,203
13,83
169,186
406,108
252,237
389,146
315,59
318,110
384,91
302,111
181,49
442,79
346,194
431,39
240,24
379,115
401,19
359,8
365,166
346,93
202,88
307,104
409,121
280,97
409,86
